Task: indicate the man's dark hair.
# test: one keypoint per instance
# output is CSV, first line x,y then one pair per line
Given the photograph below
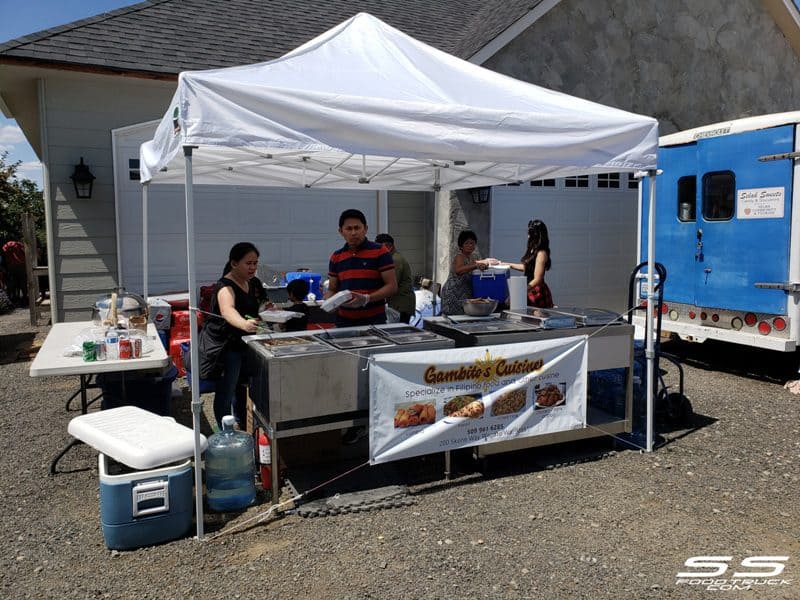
x,y
352,213
298,288
384,238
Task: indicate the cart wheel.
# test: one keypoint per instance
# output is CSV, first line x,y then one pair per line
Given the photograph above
x,y
679,409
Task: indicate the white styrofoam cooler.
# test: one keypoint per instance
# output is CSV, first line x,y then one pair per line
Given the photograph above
x,y
143,508
135,437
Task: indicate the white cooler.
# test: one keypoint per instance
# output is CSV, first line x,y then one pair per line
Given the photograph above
x,y
146,499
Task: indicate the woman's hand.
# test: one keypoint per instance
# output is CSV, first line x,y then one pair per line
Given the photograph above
x,y
251,325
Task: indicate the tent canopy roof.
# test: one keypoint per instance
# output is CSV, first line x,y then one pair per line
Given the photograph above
x,y
365,105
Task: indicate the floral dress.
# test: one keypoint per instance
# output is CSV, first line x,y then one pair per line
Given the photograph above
x,y
455,290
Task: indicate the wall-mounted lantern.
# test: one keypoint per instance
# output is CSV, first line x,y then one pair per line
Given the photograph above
x,y
480,195
82,179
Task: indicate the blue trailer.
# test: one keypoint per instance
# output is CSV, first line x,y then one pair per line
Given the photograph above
x,y
728,231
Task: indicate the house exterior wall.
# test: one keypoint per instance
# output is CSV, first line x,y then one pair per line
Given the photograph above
x,y
409,228
683,62
80,110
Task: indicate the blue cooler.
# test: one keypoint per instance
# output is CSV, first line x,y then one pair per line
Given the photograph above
x,y
313,279
143,508
491,283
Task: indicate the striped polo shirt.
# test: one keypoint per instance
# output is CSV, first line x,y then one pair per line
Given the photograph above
x,y
360,271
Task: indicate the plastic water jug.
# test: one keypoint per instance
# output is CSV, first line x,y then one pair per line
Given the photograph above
x,y
230,469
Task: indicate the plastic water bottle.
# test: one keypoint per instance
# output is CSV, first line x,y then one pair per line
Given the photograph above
x,y
230,469
112,344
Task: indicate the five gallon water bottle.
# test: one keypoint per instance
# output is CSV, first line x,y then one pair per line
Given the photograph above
x,y
230,469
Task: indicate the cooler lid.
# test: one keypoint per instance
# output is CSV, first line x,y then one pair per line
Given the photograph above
x,y
135,437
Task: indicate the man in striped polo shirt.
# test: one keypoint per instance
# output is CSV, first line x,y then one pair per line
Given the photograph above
x,y
365,268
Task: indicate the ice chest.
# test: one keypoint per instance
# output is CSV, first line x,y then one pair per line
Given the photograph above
x,y
143,508
313,280
491,283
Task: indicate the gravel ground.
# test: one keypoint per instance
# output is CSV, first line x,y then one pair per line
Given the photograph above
x,y
620,525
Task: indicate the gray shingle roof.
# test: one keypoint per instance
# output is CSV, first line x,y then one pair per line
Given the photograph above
x,y
169,36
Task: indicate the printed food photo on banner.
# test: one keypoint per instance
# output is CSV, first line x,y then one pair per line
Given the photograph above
x,y
550,395
411,414
468,406
510,402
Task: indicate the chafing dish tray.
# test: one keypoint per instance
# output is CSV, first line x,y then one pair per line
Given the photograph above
x,y
406,335
589,316
292,346
347,339
544,317
493,326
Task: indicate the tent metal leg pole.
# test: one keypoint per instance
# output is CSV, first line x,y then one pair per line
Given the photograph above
x,y
651,296
145,189
197,405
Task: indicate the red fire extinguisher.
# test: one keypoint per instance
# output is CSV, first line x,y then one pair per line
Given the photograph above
x,y
265,460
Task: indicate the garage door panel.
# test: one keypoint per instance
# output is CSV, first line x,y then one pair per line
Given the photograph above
x,y
592,238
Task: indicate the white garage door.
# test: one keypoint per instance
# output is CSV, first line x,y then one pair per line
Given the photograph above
x,y
592,225
291,227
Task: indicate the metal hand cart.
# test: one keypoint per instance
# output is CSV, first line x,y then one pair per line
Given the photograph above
x,y
672,408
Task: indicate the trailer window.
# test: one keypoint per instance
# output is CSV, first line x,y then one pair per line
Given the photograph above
x,y
718,195
687,198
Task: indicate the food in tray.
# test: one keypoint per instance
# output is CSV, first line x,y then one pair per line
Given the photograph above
x,y
464,406
509,402
549,396
414,414
287,341
480,300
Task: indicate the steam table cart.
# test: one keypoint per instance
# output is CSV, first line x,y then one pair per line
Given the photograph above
x,y
50,361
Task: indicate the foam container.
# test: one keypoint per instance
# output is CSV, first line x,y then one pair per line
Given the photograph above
x,y
278,316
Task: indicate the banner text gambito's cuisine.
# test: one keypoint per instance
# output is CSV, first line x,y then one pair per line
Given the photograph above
x,y
426,402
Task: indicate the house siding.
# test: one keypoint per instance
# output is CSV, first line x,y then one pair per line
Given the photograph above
x,y
80,112
407,225
685,63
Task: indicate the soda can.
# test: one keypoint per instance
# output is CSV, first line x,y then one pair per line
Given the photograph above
x,y
137,347
88,351
125,349
100,350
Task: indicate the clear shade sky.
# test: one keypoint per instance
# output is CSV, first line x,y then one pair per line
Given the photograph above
x,y
19,18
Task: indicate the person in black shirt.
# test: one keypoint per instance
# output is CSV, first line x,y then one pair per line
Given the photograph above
x,y
297,290
238,298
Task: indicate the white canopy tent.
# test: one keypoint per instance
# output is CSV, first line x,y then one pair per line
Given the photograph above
x,y
364,105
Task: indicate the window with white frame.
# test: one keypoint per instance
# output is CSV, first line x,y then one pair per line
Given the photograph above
x,y
608,181
580,181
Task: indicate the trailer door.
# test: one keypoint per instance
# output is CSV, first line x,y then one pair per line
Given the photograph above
x,y
676,199
743,219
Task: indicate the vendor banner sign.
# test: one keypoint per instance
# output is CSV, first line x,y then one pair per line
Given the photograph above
x,y
437,400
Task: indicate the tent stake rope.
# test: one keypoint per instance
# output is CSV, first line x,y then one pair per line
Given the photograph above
x,y
286,505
